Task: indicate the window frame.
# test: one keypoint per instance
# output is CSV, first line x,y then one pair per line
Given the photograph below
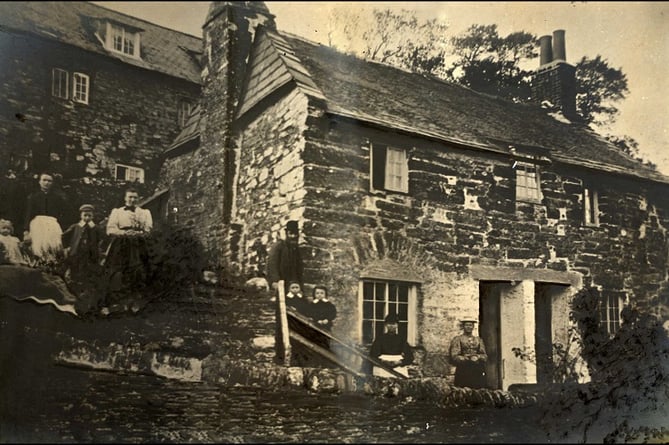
x,y
590,206
127,39
523,183
609,314
61,74
380,153
377,320
129,168
80,96
182,117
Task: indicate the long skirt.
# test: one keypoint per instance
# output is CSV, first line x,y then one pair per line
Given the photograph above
x,y
470,374
46,237
127,265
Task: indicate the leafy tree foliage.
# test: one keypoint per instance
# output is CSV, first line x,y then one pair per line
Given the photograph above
x,y
398,39
598,87
490,63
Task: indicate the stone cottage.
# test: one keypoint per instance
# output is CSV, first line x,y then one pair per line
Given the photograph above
x,y
413,193
91,94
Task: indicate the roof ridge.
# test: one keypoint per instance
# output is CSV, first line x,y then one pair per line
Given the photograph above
x,y
142,20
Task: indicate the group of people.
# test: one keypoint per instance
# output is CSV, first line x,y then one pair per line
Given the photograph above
x,y
467,351
108,272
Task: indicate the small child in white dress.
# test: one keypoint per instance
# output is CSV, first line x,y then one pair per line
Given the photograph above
x,y
11,245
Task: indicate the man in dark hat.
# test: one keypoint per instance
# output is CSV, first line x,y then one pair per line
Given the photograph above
x,y
284,261
467,354
391,348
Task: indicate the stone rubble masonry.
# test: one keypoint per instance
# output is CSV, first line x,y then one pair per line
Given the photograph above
x,y
130,118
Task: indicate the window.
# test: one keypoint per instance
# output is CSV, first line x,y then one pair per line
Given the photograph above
x,y
59,83
590,207
389,169
80,88
183,112
122,41
129,173
527,183
378,298
610,305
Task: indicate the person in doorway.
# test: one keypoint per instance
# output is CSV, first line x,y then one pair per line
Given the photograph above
x,y
468,355
45,212
284,261
127,259
391,349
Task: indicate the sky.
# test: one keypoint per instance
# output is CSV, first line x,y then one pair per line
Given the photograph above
x,y
631,36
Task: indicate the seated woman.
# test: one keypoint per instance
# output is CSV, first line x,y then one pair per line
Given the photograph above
x,y
391,349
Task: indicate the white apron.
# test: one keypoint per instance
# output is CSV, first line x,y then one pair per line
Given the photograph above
x,y
380,372
46,237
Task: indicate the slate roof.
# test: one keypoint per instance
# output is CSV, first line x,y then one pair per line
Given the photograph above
x,y
427,106
75,23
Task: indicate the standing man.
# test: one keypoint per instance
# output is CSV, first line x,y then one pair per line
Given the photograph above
x,y
127,259
467,354
284,261
45,210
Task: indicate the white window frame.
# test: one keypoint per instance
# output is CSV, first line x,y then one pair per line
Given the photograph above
x,y
184,109
610,307
379,313
131,173
128,41
80,87
57,88
395,170
528,183
590,206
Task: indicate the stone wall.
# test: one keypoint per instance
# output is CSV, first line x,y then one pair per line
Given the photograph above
x,y
130,118
460,212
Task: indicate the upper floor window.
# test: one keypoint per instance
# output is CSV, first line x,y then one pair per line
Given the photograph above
x,y
590,206
129,173
528,187
60,83
379,297
610,305
80,88
122,40
389,168
183,112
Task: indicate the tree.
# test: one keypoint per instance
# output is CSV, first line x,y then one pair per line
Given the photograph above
x,y
398,39
598,87
491,64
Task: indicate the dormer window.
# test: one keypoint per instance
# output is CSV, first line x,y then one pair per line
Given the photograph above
x,y
122,40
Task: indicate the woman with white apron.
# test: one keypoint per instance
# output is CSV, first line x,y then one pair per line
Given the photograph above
x,y
44,211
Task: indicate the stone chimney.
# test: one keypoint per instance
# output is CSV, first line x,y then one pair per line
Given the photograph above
x,y
555,80
228,34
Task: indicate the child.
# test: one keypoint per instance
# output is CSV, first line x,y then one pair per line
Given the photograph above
x,y
81,241
294,298
10,245
321,310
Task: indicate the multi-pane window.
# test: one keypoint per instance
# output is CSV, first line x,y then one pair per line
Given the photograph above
x,y
381,297
528,187
60,83
80,88
123,41
183,112
129,173
610,305
389,168
590,207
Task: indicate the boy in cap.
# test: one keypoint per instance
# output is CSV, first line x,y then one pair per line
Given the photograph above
x,y
81,241
468,355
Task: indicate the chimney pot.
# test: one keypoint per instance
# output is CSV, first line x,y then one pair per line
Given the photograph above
x,y
546,53
559,52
